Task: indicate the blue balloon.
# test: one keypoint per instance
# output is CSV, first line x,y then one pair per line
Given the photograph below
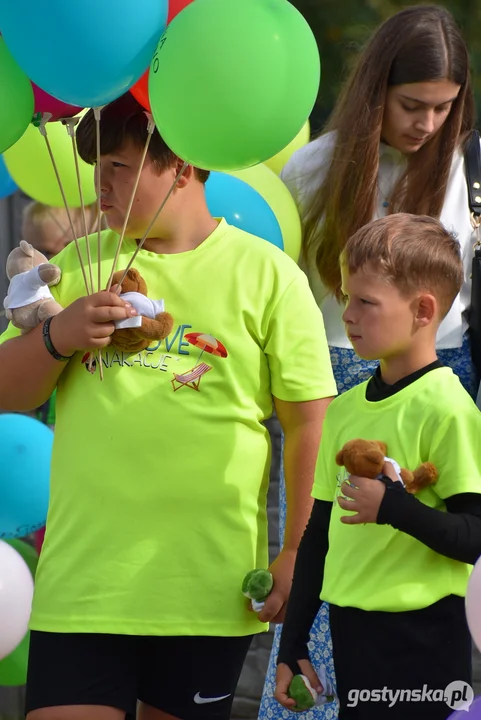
x,y
25,453
242,206
84,53
7,185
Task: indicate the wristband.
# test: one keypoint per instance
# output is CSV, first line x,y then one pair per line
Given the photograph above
x,y
49,344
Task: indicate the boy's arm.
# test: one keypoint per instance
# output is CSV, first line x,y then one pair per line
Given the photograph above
x,y
301,423
29,373
304,600
455,534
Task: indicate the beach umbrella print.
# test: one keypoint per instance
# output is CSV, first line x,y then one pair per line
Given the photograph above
x,y
207,343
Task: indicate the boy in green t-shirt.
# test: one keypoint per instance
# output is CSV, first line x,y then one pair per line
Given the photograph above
x,y
393,566
160,472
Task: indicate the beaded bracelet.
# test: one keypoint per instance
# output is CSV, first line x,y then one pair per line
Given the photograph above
x,y
49,344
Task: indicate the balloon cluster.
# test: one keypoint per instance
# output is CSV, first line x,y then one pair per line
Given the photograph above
x,y
25,453
230,85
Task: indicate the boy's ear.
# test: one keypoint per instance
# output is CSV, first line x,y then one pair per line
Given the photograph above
x,y
187,175
426,309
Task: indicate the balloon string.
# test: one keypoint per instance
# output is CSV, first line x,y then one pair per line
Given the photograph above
x,y
150,130
70,124
99,198
43,130
99,210
139,246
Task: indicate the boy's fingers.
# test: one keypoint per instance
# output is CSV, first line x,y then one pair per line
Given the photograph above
x,y
105,298
311,675
283,678
272,607
106,313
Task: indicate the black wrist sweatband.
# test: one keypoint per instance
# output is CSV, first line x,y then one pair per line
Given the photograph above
x,y
49,344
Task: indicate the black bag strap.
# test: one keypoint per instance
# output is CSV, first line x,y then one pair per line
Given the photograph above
x,y
472,159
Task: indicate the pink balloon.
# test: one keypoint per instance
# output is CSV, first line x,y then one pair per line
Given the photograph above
x,y
473,604
39,536
45,103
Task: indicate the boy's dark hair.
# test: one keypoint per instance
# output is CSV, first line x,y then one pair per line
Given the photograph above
x,y
413,252
121,120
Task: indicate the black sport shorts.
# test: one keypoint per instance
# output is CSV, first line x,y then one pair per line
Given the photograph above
x,y
193,678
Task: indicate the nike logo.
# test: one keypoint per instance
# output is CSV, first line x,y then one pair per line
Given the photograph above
x,y
203,700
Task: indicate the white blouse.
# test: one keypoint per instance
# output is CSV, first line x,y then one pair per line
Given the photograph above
x,y
304,173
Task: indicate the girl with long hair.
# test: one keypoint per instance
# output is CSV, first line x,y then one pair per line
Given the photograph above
x,y
395,143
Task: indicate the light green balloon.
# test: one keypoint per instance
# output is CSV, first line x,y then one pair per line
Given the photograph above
x,y
13,668
232,82
16,99
30,166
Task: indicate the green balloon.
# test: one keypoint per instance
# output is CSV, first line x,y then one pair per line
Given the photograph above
x,y
13,668
27,551
16,99
30,166
232,82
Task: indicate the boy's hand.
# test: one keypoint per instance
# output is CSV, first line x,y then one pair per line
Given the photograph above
x,y
88,323
364,499
284,676
282,570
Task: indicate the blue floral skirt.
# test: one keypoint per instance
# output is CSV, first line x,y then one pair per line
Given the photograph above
x,y
349,370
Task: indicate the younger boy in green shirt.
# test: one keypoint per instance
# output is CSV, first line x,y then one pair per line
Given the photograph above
x,y
393,566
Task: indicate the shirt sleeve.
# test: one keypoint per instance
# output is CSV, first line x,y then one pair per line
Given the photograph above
x,y
296,346
9,333
325,476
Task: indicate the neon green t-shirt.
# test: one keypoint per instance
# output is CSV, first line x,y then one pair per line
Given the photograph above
x,y
375,567
160,472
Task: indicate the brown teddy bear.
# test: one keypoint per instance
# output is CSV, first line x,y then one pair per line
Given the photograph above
x,y
29,300
152,323
366,458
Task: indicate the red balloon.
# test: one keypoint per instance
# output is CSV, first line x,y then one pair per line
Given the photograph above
x,y
175,6
140,90
45,103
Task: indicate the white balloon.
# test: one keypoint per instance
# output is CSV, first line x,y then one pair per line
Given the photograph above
x,y
16,593
473,604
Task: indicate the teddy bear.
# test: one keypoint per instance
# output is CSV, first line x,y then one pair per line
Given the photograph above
x,y
29,300
152,323
366,458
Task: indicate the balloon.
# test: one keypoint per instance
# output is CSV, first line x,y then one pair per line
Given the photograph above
x,y
277,162
473,712
27,552
16,99
242,206
13,668
140,90
232,83
25,452
45,103
16,592
175,6
273,190
84,53
30,166
39,538
7,186
473,604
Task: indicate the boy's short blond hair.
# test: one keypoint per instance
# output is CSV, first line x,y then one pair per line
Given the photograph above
x,y
413,252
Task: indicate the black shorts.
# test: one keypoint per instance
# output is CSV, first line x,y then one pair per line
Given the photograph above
x,y
193,678
422,650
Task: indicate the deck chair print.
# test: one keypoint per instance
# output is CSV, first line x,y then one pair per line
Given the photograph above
x,y
191,378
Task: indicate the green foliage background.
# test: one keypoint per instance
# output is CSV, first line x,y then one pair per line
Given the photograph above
x,y
342,27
